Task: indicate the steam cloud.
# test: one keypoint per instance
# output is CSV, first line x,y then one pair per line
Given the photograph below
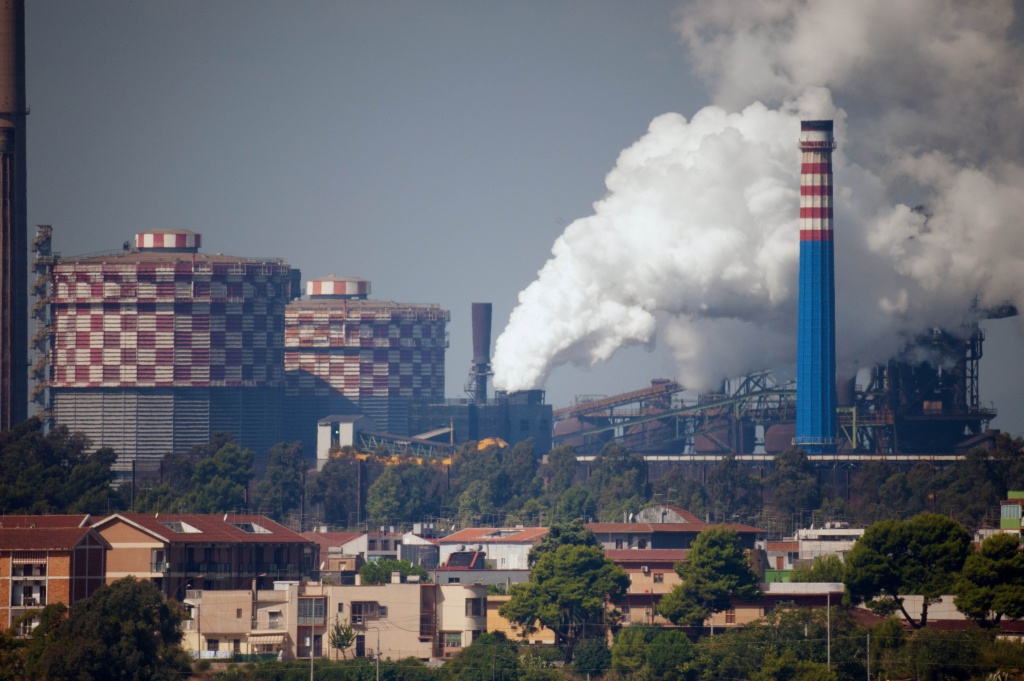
x,y
696,241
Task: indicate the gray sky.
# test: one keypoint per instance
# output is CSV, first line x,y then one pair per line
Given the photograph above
x,y
435,148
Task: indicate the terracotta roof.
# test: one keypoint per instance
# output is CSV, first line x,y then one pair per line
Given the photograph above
x,y
646,555
206,528
684,514
670,527
45,520
783,546
328,540
480,535
44,539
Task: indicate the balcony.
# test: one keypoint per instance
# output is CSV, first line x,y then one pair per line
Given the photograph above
x,y
159,566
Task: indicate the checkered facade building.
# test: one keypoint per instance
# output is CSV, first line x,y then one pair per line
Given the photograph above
x,y
154,349
345,355
169,324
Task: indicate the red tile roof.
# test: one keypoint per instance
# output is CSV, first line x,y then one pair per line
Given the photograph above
x,y
45,520
44,538
480,535
214,527
329,540
684,514
640,528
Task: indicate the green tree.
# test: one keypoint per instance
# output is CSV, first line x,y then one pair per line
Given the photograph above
x,y
785,644
333,490
491,656
280,490
716,572
566,593
572,533
733,492
559,473
53,473
618,481
382,499
379,571
341,636
991,585
923,556
824,569
655,653
592,657
123,631
794,484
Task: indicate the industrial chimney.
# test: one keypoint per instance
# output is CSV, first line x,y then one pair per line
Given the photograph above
x,y
476,387
13,220
816,333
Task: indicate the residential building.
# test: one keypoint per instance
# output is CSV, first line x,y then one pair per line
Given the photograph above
x,y
43,563
781,558
181,552
1010,515
512,631
832,539
651,575
507,548
292,621
664,527
369,546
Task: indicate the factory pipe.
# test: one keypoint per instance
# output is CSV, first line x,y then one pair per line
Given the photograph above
x,y
816,346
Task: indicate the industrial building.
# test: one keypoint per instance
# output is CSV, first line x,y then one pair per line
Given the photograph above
x,y
345,353
157,346
13,218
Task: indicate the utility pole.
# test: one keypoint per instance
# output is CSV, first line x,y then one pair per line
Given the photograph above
x,y
828,627
869,656
378,653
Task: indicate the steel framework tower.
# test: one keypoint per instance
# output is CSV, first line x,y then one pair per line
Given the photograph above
x,y
816,333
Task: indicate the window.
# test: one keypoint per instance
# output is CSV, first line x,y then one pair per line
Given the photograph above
x,y
274,619
312,610
212,644
238,613
237,646
641,543
474,607
625,611
372,545
1010,511
618,543
362,611
453,639
341,607
382,611
659,578
385,545
730,616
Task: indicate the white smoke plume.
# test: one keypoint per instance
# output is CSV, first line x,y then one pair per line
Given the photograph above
x,y
696,242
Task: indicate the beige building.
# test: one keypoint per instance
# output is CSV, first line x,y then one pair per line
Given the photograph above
x,y
400,619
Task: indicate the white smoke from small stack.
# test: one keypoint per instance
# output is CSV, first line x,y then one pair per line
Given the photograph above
x,y
697,239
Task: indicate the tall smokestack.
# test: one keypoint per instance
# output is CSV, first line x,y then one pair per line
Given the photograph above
x,y
13,218
481,369
816,334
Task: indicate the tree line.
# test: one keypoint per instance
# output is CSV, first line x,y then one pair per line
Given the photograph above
x,y
53,473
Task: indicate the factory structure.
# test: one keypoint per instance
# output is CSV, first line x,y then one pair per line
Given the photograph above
x,y
153,348
816,328
907,409
347,354
13,218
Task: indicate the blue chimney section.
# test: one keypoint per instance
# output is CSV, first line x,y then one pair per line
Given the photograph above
x,y
816,329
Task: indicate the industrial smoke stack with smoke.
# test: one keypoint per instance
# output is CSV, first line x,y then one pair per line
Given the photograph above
x,y
696,242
